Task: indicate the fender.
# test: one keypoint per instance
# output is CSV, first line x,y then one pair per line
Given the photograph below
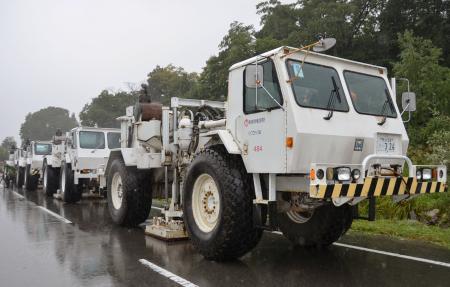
x,y
225,137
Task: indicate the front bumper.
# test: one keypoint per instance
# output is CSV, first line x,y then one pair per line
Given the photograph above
x,y
377,186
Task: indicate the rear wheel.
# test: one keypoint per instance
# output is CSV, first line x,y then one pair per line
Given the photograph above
x,y
129,194
20,176
31,180
320,227
70,192
50,180
218,206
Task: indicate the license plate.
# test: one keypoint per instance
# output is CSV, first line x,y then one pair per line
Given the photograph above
x,y
387,144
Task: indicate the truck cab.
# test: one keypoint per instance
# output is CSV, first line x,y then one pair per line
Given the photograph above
x,y
34,156
85,154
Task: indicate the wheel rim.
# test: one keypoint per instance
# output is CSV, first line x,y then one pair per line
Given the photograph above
x,y
63,180
116,190
300,217
44,183
206,203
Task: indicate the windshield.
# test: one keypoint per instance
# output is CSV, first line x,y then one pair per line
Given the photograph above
x,y
313,85
92,140
113,140
42,149
369,94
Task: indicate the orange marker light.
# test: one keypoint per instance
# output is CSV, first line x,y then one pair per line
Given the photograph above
x,y
312,174
289,142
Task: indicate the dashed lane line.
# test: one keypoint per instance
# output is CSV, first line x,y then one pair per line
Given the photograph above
x,y
175,278
59,217
419,259
56,215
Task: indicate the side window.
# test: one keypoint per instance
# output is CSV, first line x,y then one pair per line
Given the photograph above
x,y
264,96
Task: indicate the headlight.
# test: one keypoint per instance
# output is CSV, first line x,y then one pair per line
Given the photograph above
x,y
320,173
426,174
356,174
419,174
342,173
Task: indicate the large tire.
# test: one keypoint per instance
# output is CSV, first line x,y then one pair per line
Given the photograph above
x,y
31,180
20,176
325,226
50,180
70,192
129,194
220,228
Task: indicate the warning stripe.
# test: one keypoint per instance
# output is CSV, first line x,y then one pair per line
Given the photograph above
x,y
377,186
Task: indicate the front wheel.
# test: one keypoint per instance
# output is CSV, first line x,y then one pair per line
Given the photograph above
x,y
50,180
70,192
20,177
31,180
320,227
218,206
129,194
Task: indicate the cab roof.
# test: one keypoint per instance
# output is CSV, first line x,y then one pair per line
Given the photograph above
x,y
281,50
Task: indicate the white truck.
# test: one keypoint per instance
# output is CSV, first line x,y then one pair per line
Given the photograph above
x,y
302,137
20,164
9,168
34,156
52,164
86,150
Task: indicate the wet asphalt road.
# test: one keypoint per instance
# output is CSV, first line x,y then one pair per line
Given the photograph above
x,y
39,249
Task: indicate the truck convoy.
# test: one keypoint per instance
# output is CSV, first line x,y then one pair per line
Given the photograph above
x,y
302,138
76,160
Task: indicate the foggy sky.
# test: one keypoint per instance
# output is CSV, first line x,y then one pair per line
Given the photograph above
x,y
64,52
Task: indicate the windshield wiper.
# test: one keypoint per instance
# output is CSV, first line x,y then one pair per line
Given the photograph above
x,y
388,101
330,105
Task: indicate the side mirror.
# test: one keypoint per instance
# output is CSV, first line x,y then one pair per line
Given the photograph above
x,y
409,101
252,74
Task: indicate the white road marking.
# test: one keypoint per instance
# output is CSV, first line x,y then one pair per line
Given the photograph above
x,y
157,208
424,260
168,274
65,220
419,259
18,195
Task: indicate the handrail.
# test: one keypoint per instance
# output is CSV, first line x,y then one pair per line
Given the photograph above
x,y
386,156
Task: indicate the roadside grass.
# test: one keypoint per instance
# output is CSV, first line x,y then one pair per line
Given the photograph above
x,y
415,209
409,229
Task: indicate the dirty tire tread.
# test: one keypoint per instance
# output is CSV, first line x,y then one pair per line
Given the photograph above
x,y
31,181
73,192
326,226
52,180
137,201
235,234
20,177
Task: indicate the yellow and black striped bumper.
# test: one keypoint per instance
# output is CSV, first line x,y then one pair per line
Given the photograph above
x,y
376,186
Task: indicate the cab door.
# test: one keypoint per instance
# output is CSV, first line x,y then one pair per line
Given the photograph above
x,y
261,126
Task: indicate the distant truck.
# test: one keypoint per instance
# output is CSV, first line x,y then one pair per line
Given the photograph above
x,y
83,155
20,164
34,156
9,169
52,164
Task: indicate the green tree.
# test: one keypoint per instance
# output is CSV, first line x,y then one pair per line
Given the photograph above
x,y
171,81
8,143
237,45
429,128
42,125
106,108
